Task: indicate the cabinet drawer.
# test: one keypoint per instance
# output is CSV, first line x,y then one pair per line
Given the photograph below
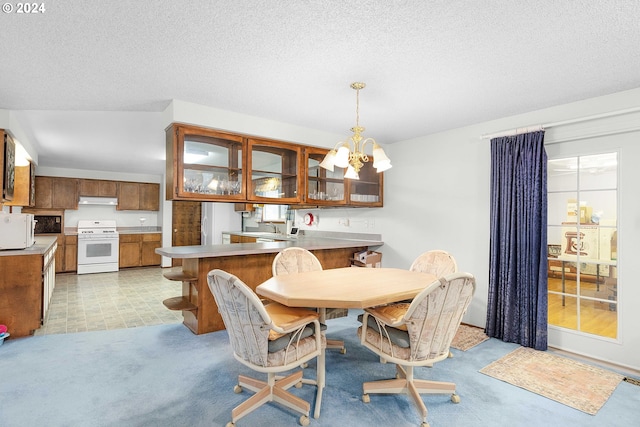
x,y
129,238
152,237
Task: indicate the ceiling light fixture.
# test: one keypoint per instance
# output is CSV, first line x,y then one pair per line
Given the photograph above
x,y
350,153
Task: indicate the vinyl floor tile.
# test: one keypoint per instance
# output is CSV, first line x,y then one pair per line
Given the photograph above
x,y
125,299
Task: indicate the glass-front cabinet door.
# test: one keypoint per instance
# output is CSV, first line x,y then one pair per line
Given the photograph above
x,y
368,189
323,187
274,172
207,164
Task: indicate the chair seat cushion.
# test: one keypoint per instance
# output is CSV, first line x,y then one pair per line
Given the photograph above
x,y
397,336
282,341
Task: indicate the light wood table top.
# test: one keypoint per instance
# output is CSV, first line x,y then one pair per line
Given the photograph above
x,y
349,287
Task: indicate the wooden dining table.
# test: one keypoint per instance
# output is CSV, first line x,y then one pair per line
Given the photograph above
x,y
350,287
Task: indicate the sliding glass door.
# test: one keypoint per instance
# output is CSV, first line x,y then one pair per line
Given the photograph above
x,y
582,237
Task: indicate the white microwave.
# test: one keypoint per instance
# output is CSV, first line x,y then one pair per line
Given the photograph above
x,y
17,231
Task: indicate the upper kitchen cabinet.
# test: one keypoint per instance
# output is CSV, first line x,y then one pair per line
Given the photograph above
x,y
368,190
98,188
56,193
274,170
204,164
323,187
24,192
139,196
7,166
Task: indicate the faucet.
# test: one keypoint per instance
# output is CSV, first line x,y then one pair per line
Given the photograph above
x,y
275,227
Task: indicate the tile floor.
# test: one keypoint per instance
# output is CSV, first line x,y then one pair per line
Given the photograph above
x,y
124,299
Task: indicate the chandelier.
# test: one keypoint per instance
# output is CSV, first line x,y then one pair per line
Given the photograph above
x,y
350,153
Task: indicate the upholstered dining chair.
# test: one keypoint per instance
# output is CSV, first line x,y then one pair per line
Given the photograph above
x,y
299,260
269,339
417,334
436,262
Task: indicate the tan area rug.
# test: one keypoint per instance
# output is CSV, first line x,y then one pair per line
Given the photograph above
x,y
572,383
467,337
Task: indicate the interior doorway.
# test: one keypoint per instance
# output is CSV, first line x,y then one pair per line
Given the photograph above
x,y
185,225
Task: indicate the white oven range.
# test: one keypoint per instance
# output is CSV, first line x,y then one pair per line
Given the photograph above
x,y
98,243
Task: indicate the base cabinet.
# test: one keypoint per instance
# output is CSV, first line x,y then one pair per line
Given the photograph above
x,y
138,250
26,285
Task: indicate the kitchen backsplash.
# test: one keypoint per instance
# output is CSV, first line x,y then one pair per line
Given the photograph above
x,y
122,218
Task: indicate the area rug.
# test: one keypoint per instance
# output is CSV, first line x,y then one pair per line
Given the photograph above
x,y
468,336
572,383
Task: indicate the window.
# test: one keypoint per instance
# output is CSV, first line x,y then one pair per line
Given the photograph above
x,y
582,238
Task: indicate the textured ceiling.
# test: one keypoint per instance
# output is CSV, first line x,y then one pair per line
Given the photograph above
x,y
428,65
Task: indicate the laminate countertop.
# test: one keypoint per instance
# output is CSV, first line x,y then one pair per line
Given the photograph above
x,y
42,245
309,243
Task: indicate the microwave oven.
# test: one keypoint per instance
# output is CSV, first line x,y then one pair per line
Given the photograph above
x,y
17,231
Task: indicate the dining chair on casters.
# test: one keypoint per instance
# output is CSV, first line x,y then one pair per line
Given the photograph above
x,y
270,339
417,335
436,262
299,260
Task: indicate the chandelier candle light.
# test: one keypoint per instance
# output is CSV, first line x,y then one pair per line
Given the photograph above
x,y
350,153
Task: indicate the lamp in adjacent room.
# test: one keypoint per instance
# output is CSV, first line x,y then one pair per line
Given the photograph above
x,y
350,153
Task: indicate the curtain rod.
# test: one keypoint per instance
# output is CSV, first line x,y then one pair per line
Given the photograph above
x,y
534,128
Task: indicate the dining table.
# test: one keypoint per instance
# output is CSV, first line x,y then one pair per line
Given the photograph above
x,y
349,287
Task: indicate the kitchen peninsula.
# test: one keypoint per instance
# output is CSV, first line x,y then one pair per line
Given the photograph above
x,y
251,262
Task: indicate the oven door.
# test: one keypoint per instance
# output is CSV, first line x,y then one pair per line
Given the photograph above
x,y
97,250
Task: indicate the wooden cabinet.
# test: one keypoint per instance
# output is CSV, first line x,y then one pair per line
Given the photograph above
x,y
70,253
24,193
323,187
138,196
67,254
210,165
235,238
26,284
137,250
98,188
368,190
205,164
149,197
56,193
274,172
150,242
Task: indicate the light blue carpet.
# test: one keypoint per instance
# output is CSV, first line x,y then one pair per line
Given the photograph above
x,y
166,376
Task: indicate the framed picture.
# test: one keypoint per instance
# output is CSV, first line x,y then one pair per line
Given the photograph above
x,y
9,173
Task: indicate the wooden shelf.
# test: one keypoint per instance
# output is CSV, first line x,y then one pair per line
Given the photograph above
x,y
179,276
179,303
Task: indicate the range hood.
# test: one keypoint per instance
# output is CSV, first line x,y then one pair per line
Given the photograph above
x,y
111,201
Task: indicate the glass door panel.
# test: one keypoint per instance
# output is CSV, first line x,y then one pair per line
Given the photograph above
x,y
582,237
367,190
274,171
323,187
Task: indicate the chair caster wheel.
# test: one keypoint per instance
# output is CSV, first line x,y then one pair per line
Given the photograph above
x,y
237,390
230,424
455,398
298,384
304,420
343,350
424,424
366,398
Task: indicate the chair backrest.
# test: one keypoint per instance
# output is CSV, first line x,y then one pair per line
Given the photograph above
x,y
435,314
244,316
437,262
294,260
